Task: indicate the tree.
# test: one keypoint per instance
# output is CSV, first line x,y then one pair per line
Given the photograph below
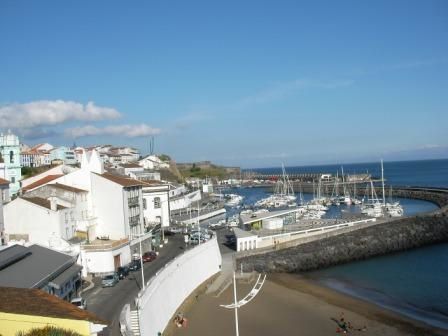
x,y
48,331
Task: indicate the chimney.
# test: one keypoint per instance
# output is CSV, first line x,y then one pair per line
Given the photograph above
x,y
53,204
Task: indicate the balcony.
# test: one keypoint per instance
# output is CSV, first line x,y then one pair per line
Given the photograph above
x,y
133,201
134,220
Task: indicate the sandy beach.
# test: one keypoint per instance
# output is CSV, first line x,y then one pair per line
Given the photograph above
x,y
291,305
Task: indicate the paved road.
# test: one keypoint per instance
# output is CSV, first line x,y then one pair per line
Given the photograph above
x,y
108,302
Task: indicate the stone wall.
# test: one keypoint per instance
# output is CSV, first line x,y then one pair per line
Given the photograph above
x,y
380,239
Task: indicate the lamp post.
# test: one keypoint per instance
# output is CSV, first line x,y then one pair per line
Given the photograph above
x,y
141,261
237,304
141,255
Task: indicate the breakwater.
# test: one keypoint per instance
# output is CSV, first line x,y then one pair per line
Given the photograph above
x,y
382,238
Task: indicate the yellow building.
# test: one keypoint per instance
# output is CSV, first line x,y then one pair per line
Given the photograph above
x,y
22,309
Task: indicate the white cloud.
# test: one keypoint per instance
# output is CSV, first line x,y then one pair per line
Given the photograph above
x,y
128,131
52,112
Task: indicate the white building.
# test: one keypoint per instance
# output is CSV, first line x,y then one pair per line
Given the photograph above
x,y
153,162
105,209
39,220
10,157
156,204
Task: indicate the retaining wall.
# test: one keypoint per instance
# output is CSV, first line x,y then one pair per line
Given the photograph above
x,y
166,291
379,239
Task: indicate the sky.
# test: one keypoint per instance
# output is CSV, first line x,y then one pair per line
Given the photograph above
x,y
246,83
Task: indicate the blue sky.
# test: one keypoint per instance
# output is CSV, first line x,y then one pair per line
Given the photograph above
x,y
249,83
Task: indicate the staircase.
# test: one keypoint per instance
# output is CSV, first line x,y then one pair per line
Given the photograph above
x,y
135,324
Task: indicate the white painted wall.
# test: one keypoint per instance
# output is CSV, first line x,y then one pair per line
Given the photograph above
x,y
185,201
177,190
103,261
246,243
153,214
109,208
23,217
173,284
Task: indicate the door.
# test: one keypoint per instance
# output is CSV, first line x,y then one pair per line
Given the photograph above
x,y
117,261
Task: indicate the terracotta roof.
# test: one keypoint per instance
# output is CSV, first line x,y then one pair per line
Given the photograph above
x,y
42,181
30,152
36,302
42,202
130,165
3,181
66,187
123,181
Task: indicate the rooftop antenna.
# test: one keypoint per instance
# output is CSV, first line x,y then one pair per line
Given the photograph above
x,y
151,145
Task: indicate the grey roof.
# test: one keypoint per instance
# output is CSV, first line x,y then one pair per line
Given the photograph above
x,y
36,269
242,234
12,254
66,275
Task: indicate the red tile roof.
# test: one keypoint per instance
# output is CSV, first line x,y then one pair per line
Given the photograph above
x,y
42,202
130,165
42,181
35,302
3,181
67,187
123,181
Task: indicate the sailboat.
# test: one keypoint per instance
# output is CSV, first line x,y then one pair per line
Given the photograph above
x,y
283,194
392,209
373,206
346,198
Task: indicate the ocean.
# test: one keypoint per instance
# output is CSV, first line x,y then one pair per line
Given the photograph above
x,y
426,173
413,283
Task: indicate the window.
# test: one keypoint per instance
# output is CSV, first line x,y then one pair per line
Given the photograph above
x,y
11,156
156,202
144,203
13,179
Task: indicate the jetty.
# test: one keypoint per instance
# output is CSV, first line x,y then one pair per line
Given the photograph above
x,y
354,242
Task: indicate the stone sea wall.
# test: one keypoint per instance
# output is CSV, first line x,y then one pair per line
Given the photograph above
x,y
383,238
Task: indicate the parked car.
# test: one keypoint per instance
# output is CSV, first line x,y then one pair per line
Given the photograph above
x,y
135,265
149,256
123,272
79,302
194,239
109,280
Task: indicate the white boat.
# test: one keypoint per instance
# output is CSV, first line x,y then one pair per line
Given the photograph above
x,y
372,207
283,195
392,209
233,200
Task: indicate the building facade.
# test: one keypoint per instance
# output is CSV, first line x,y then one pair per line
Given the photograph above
x,y
64,154
10,156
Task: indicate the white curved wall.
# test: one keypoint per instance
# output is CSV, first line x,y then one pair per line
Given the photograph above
x,y
174,283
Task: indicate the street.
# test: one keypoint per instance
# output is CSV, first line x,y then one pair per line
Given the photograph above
x,y
108,302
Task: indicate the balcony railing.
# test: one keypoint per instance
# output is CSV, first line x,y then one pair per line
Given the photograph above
x,y
133,201
134,220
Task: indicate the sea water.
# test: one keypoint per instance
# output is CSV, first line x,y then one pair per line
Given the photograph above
x,y
414,283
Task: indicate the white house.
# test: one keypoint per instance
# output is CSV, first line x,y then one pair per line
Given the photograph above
x,y
38,220
105,209
156,204
153,162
